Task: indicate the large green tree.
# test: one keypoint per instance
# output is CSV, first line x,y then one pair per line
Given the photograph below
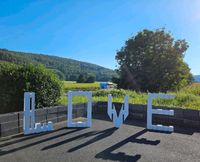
x,y
153,61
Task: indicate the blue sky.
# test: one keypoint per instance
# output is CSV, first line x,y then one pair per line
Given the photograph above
x,y
93,30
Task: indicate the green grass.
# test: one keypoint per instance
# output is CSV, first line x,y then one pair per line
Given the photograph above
x,y
68,85
188,97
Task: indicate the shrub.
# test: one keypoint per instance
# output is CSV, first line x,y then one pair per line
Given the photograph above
x,y
17,79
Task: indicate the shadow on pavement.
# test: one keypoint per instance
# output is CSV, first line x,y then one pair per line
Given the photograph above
x,y
34,143
100,135
23,137
84,135
103,134
108,154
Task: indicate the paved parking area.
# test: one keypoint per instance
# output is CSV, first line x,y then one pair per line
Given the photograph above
x,y
132,142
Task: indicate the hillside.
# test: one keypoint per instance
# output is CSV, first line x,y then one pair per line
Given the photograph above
x,y
67,69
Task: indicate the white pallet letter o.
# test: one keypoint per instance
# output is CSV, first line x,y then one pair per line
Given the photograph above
x,y
88,122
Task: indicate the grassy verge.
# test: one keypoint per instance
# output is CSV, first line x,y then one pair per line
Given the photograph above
x,y
188,97
81,86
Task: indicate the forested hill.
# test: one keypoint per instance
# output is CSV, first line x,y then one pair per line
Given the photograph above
x,y
67,68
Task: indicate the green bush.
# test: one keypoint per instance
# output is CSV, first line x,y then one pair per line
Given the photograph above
x,y
17,79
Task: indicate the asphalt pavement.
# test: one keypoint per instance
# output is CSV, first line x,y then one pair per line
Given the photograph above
x,y
102,142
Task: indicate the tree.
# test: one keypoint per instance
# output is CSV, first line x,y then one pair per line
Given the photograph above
x,y
90,79
81,79
60,74
153,61
86,78
17,79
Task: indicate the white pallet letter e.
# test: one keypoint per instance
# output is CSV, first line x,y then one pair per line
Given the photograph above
x,y
151,111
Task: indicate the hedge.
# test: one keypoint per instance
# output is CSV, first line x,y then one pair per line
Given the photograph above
x,y
17,79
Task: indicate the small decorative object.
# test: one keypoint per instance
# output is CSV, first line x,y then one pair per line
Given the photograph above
x,y
88,122
151,111
29,125
118,120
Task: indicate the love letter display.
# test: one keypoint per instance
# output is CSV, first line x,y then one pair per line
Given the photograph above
x,y
29,125
118,120
151,111
88,122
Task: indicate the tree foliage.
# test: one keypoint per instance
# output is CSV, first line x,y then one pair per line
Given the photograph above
x,y
86,78
90,79
153,61
81,79
17,79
